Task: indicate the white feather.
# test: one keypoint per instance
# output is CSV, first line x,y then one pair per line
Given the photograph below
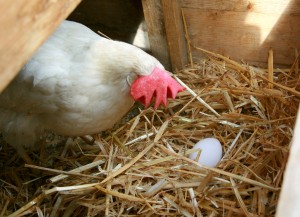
x,y
74,85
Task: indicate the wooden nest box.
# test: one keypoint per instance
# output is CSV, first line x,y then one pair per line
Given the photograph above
x,y
246,30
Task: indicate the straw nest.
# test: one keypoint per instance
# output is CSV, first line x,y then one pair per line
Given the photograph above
x,y
141,167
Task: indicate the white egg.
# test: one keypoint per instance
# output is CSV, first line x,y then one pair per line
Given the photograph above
x,y
211,152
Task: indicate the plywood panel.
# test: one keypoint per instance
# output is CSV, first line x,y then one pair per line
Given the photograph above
x,y
239,29
24,26
242,35
258,6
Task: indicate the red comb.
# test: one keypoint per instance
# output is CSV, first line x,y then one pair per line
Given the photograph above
x,y
159,85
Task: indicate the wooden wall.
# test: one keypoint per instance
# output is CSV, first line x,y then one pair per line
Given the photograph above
x,y
153,13
239,29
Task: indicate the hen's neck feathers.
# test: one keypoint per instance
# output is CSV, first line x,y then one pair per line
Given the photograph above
x,y
121,58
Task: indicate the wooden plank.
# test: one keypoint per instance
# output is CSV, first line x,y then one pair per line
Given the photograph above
x,y
243,35
237,28
289,200
24,26
156,31
175,33
258,6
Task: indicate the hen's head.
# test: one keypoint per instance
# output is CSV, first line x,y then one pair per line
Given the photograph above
x,y
151,80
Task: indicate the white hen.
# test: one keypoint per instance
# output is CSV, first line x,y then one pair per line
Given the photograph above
x,y
77,83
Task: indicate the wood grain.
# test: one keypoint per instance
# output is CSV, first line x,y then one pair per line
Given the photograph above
x,y
156,31
240,29
258,6
175,33
243,35
24,26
